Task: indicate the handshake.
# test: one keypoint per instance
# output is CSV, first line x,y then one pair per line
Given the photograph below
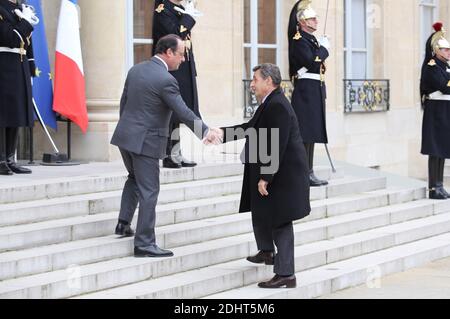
x,y
27,13
214,137
190,9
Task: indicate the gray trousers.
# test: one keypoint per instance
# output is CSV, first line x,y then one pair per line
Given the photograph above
x,y
283,237
142,186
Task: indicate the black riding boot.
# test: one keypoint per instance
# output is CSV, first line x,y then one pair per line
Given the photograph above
x,y
441,177
172,143
435,189
313,180
4,169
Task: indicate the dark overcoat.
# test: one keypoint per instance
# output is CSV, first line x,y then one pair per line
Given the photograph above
x,y
169,21
436,117
16,70
309,96
288,187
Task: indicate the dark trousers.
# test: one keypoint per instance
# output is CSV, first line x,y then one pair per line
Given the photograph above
x,y
435,172
310,155
9,138
142,186
283,237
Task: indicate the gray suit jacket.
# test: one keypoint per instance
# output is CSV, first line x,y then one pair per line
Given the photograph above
x,y
149,97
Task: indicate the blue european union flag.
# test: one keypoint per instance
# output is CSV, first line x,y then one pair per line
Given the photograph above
x,y
42,83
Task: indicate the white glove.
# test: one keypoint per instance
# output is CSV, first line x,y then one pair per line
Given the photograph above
x,y
190,9
28,14
325,42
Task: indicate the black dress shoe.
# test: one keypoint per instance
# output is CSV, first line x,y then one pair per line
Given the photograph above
x,y
279,282
262,257
168,162
18,169
315,182
187,163
4,169
437,194
152,252
124,230
441,188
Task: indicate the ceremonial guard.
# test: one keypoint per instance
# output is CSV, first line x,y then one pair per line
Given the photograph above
x,y
435,93
16,69
172,18
307,58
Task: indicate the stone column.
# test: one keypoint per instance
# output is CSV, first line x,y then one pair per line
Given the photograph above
x,y
103,42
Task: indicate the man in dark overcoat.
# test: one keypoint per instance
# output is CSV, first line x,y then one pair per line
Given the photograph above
x,y
16,69
435,93
307,68
170,17
276,176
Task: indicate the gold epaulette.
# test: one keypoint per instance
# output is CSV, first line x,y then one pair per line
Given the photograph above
x,y
432,62
160,8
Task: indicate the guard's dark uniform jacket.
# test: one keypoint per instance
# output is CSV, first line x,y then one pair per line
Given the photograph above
x,y
169,21
436,118
308,98
16,69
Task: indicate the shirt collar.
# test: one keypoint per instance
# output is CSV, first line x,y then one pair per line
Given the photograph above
x,y
164,62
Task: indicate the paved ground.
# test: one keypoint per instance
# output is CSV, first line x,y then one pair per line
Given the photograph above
x,y
428,282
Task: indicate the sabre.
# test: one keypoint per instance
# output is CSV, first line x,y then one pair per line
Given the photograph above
x,y
44,127
326,18
333,169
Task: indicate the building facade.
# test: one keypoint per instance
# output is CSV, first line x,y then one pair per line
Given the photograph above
x,y
378,42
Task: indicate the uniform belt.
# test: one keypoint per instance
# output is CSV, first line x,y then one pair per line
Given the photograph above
x,y
310,76
438,96
14,50
303,74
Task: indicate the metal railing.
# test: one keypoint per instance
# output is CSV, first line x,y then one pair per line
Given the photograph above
x,y
366,96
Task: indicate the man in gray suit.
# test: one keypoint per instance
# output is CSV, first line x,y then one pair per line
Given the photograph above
x,y
150,96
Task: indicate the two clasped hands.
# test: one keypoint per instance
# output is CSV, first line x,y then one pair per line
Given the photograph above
x,y
215,137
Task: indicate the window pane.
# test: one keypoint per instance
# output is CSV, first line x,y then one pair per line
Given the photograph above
x,y
359,65
247,18
143,18
247,63
142,52
267,14
359,24
267,56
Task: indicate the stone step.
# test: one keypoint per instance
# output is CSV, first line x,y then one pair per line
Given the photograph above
x,y
88,226
96,203
118,272
111,181
345,274
366,250
101,202
42,259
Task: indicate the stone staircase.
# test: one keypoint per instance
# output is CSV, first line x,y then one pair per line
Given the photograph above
x,y
56,236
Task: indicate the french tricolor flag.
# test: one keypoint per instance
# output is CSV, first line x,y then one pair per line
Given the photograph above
x,y
69,92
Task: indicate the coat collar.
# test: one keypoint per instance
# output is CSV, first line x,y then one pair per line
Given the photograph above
x,y
262,107
159,62
309,37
